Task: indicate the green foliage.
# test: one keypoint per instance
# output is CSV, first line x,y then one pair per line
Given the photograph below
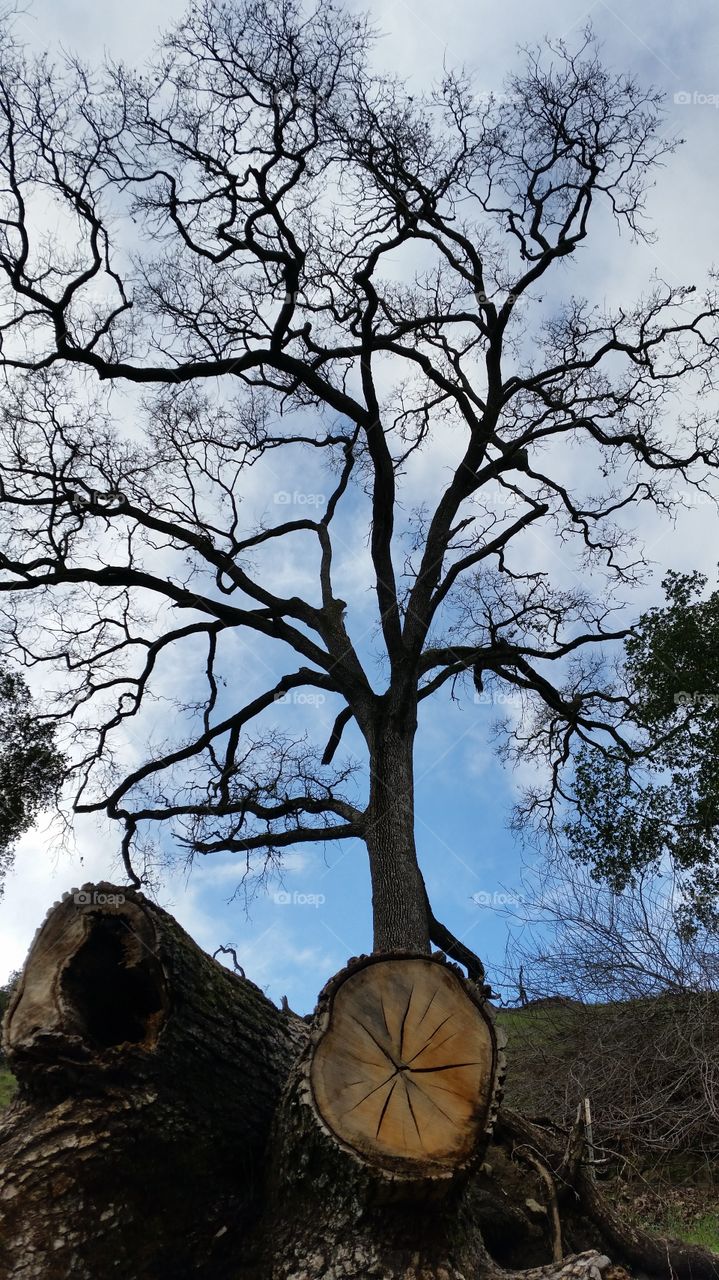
x,y
657,798
703,1231
7,1087
6,991
30,765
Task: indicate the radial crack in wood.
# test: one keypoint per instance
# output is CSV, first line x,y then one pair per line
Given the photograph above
x,y
406,1066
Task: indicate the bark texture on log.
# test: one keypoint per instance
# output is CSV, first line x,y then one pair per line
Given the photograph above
x,y
148,1076
172,1124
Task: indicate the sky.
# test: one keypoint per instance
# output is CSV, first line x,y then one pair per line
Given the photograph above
x,y
292,938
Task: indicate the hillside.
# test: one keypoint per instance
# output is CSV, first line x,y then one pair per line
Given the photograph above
x,y
649,1068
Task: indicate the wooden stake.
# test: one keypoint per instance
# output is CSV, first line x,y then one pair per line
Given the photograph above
x,y
589,1139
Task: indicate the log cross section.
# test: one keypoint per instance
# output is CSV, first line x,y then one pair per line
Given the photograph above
x,y
405,1068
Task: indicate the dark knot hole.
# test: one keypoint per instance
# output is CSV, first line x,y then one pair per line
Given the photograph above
x,y
113,998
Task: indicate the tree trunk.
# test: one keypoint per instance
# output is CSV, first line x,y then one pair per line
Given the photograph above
x,y
171,1123
148,1076
386,1114
399,904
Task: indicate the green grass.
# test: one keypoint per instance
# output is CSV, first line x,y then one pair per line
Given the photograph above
x,y
703,1231
539,1020
7,1087
541,1044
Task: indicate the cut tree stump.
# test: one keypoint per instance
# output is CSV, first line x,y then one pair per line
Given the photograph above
x,y
384,1119
404,1070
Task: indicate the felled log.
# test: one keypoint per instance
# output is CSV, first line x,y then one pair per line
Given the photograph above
x,y
384,1117
148,1075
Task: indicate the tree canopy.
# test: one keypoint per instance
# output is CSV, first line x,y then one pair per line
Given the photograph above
x,y
655,799
304,285
31,766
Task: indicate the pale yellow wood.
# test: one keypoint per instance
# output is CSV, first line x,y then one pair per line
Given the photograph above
x,y
405,1066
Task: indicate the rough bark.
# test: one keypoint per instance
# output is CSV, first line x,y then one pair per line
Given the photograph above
x,y
325,1221
148,1076
168,1124
399,903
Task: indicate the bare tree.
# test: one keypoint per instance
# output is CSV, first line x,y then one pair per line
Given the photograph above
x,y
262,220
293,265
576,937
627,1000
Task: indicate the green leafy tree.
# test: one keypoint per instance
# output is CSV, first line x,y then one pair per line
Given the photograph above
x,y
6,991
6,1080
653,797
31,765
